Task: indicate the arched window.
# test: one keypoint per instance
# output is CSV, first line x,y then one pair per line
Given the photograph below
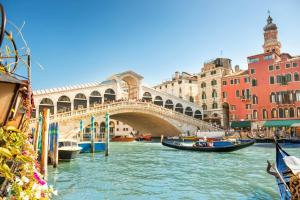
x,y
254,114
296,77
274,113
63,104
273,98
255,99
147,97
286,113
214,105
298,112
288,77
281,113
265,114
198,114
95,98
214,93
203,95
203,85
179,108
254,82
169,104
213,82
158,101
188,111
80,101
46,103
292,112
109,95
204,106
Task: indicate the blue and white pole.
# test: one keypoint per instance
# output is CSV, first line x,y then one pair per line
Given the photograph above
x,y
107,133
92,134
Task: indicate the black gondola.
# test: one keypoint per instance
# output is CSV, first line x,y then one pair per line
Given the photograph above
x,y
217,146
287,180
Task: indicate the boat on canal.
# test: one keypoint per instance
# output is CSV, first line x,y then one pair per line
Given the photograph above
x,y
68,149
286,170
119,138
205,146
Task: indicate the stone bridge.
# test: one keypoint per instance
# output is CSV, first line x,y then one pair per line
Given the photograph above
x,y
126,100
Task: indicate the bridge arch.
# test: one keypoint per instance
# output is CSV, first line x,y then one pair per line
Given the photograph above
x,y
169,104
63,104
95,98
179,108
188,111
147,97
80,101
158,101
47,103
109,95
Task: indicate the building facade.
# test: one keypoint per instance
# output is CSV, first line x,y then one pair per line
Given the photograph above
x,y
275,82
210,89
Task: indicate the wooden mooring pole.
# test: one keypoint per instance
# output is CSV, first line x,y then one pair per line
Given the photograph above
x,y
92,134
107,133
44,153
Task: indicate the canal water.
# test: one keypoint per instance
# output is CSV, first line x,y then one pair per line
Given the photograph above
x,y
146,171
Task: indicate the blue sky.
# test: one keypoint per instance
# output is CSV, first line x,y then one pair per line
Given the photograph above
x,y
80,41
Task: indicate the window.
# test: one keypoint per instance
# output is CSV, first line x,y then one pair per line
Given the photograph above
x,y
232,107
214,105
159,87
246,79
224,83
298,111
252,71
253,60
254,82
296,77
213,82
287,65
265,114
298,95
166,86
273,98
248,116
213,72
172,84
190,81
281,113
203,95
286,113
271,67
179,82
277,67
231,82
236,81
272,80
248,106
295,64
274,113
224,94
269,57
292,112
279,78
254,99
203,75
204,107
117,122
203,85
254,114
214,93
237,93
288,78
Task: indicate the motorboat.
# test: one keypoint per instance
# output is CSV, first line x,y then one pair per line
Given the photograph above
x,y
68,149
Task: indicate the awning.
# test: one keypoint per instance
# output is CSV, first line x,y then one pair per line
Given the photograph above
x,y
240,124
281,123
296,125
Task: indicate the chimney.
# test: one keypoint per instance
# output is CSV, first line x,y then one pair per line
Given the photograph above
x,y
237,68
176,75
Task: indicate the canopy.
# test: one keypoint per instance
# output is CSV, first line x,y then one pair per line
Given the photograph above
x,y
280,123
293,163
296,125
240,124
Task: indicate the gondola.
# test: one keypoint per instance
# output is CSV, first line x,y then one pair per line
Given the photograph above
x,y
216,146
286,171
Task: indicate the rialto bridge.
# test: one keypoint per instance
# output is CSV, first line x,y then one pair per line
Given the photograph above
x,y
125,98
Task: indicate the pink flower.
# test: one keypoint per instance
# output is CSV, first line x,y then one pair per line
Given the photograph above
x,y
41,181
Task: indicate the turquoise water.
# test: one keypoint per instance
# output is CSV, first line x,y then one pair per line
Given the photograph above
x,y
137,171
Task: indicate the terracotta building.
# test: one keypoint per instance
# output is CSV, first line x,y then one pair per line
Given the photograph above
x,y
275,83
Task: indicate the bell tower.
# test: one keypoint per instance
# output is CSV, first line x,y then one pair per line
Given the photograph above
x,y
271,43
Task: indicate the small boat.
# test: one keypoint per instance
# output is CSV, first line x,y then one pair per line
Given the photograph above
x,y
122,139
214,146
68,149
286,171
144,137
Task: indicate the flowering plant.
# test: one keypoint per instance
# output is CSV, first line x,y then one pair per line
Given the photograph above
x,y
19,169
